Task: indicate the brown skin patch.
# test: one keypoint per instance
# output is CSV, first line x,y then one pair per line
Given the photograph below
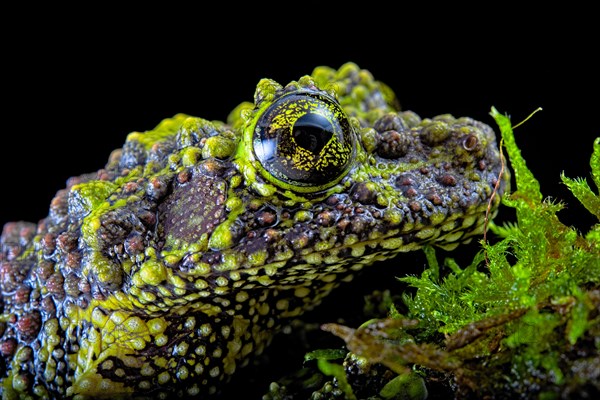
x,y
186,214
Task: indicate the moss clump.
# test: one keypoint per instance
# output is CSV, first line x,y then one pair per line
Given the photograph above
x,y
521,321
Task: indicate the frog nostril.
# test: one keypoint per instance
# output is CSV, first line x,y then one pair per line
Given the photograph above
x,y
470,142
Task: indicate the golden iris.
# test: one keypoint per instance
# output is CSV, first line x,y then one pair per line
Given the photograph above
x,y
304,139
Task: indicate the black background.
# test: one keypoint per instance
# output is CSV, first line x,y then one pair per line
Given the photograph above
x,y
73,87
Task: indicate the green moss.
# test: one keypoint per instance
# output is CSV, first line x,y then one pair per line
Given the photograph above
x,y
522,319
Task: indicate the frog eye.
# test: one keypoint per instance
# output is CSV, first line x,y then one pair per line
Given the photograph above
x,y
304,142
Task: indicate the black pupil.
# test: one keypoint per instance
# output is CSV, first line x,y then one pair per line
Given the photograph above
x,y
312,132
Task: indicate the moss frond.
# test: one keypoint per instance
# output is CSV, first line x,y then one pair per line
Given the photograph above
x,y
580,188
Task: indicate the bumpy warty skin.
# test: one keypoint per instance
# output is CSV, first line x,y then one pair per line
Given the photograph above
x,y
164,272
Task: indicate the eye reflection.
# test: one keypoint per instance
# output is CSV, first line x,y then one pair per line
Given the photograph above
x,y
266,150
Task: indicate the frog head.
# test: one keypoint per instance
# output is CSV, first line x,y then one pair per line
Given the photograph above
x,y
310,181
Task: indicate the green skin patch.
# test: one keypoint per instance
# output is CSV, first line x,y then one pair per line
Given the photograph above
x,y
168,269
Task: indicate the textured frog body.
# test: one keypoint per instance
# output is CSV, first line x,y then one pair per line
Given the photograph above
x,y
164,272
